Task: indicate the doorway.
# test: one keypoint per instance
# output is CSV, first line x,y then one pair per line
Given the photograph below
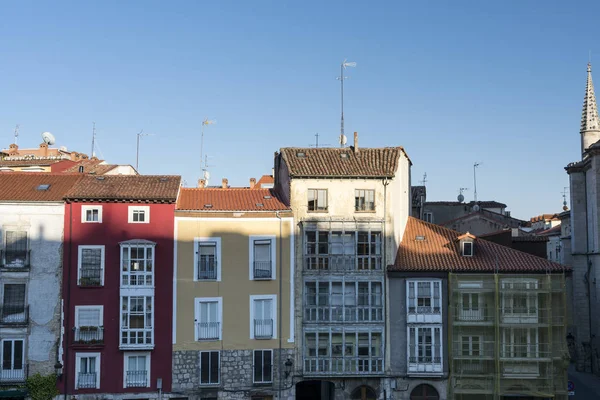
x,y
315,390
363,393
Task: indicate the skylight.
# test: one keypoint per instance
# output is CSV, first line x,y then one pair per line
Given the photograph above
x,y
266,197
208,206
259,204
300,154
43,187
420,238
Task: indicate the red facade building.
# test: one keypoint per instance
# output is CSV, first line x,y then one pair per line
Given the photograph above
x,y
118,285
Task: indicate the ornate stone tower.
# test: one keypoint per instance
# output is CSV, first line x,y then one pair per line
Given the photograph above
x,y
590,123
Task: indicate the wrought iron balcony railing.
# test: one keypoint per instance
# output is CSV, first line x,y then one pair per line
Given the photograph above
x,y
90,277
86,380
136,379
89,335
263,328
262,270
207,270
15,258
14,374
14,315
208,330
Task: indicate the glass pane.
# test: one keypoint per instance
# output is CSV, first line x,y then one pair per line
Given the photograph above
x,y
7,354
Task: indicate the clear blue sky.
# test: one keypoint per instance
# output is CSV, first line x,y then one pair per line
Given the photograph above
x,y
497,82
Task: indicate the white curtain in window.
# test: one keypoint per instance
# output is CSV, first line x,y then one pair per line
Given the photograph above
x,y
88,317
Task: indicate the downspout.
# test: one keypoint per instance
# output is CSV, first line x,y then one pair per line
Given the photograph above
x,y
280,304
68,306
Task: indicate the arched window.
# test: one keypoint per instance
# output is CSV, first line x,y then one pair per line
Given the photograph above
x,y
363,393
424,392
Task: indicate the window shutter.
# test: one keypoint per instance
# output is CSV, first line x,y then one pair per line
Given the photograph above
x,y
88,317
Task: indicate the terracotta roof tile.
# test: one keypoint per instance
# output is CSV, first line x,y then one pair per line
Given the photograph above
x,y
439,250
483,204
23,186
154,188
26,163
265,180
342,162
230,199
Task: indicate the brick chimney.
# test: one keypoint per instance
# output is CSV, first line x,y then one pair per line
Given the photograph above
x,y
44,149
13,149
252,183
224,183
355,142
201,183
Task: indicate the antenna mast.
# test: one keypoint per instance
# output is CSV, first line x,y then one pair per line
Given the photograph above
x,y
341,78
137,153
424,181
94,139
475,165
205,122
16,133
564,194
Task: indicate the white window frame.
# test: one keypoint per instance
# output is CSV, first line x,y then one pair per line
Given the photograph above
x,y
126,364
129,245
273,298
531,297
424,367
218,259
132,209
428,217
365,193
85,209
80,249
23,359
200,369
262,369
470,340
219,301
78,357
509,363
416,317
251,240
79,308
462,248
533,347
121,328
316,199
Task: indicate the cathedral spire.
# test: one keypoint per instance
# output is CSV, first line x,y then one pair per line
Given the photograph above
x,y
590,123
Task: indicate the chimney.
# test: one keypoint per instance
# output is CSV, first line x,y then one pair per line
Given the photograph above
x,y
201,183
355,142
252,183
224,183
44,149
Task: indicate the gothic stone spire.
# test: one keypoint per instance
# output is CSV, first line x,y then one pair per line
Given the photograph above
x,y
590,123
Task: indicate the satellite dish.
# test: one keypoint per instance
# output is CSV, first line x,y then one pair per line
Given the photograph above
x,y
206,175
343,139
48,138
476,207
460,198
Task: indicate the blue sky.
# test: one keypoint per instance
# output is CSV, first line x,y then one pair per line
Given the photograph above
x,y
501,83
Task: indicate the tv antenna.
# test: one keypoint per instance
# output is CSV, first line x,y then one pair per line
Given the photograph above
x,y
564,195
341,78
316,145
94,139
424,181
205,172
475,165
205,122
461,197
137,153
16,133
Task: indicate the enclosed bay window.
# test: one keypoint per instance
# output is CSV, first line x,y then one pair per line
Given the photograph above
x,y
424,300
206,259
424,349
368,250
317,250
137,317
518,347
317,199
13,361
263,366
208,319
364,200
90,271
262,257
16,252
519,301
137,263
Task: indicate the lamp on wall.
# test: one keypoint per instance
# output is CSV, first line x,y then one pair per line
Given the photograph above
x,y
58,369
288,367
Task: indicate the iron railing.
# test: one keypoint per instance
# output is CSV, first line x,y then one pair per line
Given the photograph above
x,y
136,379
86,380
263,328
15,258
342,263
11,375
343,365
208,330
207,269
89,335
326,314
90,277
14,315
262,270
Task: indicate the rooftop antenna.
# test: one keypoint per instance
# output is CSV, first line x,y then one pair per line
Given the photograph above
x,y
316,145
94,139
424,181
341,78
205,172
475,165
564,195
460,196
205,122
16,133
137,153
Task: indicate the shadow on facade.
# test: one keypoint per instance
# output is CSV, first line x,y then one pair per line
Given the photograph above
x,y
315,390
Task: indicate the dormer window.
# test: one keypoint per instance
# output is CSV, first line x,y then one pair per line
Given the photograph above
x,y
467,244
467,249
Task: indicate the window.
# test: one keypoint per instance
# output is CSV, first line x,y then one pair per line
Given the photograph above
x,y
368,250
209,314
91,214
16,253
471,307
520,343
424,301
263,366
87,375
139,215
137,260
137,370
136,321
424,349
519,300
90,271
13,356
364,200
88,324
206,259
263,317
14,308
471,346
43,187
428,217
317,199
467,248
210,369
262,257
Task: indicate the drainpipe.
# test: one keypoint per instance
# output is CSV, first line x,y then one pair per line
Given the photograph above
x,y
67,305
280,303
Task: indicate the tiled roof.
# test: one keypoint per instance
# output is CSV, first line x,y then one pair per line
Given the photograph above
x,y
439,250
28,163
342,162
555,230
92,167
152,188
230,199
482,204
544,217
487,215
530,238
23,186
265,180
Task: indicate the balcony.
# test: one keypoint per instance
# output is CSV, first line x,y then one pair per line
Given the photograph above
x,y
335,263
136,379
90,335
424,314
14,315
350,314
86,380
15,259
14,376
207,270
263,328
208,330
90,277
425,365
262,270
343,365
